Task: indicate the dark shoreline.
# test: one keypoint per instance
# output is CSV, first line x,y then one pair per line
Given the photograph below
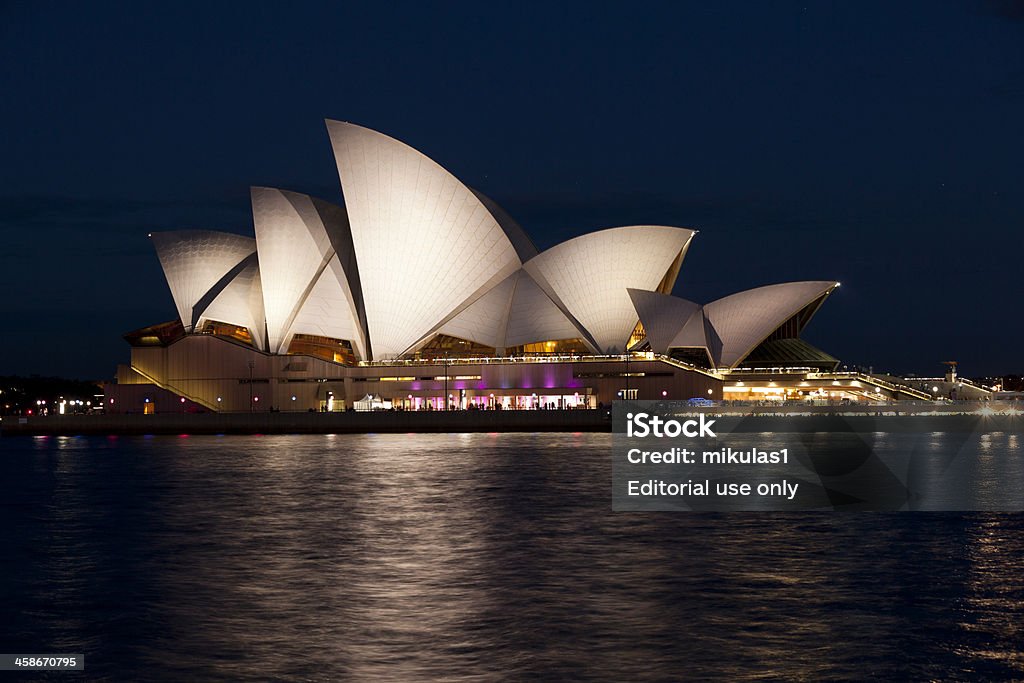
x,y
477,421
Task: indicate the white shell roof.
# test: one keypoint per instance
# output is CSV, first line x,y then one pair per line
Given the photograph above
x,y
241,303
520,240
195,261
299,283
745,319
425,242
534,317
662,316
328,310
589,276
516,311
699,332
484,321
416,252
694,332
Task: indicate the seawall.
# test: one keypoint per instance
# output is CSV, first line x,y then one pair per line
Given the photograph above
x,y
481,421
313,423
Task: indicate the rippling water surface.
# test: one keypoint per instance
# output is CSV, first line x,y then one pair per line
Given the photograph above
x,y
471,557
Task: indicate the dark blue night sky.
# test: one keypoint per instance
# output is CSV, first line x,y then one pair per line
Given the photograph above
x,y
879,144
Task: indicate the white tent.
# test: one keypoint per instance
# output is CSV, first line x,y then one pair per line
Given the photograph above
x,y
372,402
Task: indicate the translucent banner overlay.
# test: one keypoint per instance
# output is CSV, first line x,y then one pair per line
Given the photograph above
x,y
674,456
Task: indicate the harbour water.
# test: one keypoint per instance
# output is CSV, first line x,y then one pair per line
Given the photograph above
x,y
471,557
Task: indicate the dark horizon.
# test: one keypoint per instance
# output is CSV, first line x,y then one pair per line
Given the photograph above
x,y
874,145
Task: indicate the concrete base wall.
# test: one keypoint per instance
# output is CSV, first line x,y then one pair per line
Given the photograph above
x,y
489,421
313,423
220,375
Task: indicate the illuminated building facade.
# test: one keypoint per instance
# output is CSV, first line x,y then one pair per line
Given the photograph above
x,y
422,294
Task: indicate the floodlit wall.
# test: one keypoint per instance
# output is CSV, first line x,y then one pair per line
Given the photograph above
x,y
203,369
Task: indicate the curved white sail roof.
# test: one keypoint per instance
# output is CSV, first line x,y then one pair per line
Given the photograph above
x,y
241,303
416,253
305,287
425,242
662,316
534,317
196,261
589,276
329,310
745,319
514,312
520,240
484,321
699,332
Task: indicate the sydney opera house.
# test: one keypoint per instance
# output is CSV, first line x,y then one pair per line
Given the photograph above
x,y
422,294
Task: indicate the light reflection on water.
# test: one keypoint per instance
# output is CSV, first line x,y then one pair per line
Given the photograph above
x,y
472,557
